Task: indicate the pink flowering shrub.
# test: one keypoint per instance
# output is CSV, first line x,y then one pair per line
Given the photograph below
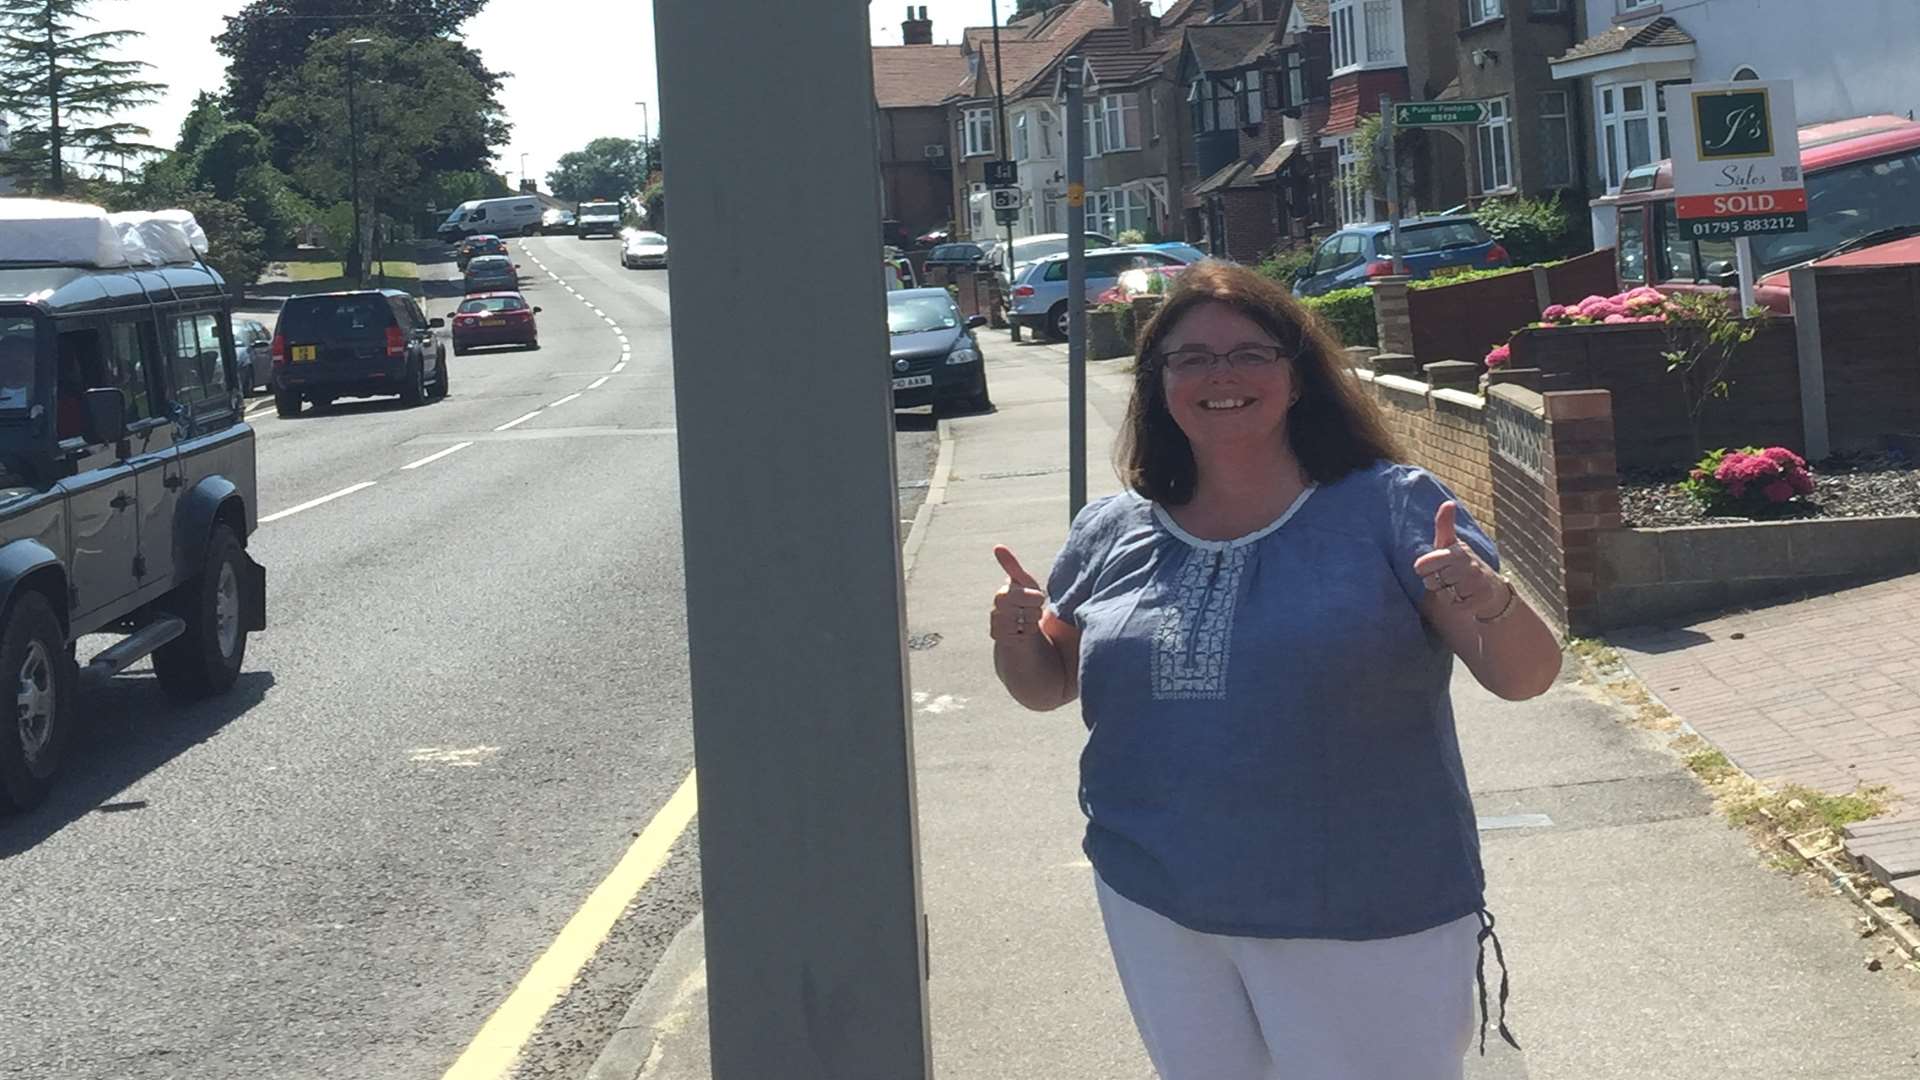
x,y
1499,356
1750,482
1634,306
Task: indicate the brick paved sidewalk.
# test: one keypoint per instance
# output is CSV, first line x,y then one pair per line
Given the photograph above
x,y
1823,692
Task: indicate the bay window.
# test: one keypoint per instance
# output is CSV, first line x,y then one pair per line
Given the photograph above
x,y
1122,116
1479,11
1215,107
1256,106
1367,33
1496,147
1556,139
1095,126
1632,122
977,129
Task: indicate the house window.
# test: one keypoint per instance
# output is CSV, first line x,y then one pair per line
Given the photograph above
x,y
1100,212
1256,100
978,132
1094,124
1346,52
1296,92
1153,113
1556,139
1366,32
1631,5
1383,32
1046,132
1479,11
1745,73
1496,147
1021,144
1632,119
1660,107
1356,203
1215,107
1122,122
1545,7
1127,209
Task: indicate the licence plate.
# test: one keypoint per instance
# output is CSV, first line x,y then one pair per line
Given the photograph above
x,y
493,322
912,381
304,353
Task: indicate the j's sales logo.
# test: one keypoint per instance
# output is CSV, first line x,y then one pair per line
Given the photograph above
x,y
1735,124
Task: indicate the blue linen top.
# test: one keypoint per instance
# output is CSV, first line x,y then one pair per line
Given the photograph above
x,y
1271,748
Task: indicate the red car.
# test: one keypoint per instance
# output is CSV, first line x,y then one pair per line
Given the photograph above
x,y
494,318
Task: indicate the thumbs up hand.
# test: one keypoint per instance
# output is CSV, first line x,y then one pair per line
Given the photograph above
x,y
1453,569
1019,604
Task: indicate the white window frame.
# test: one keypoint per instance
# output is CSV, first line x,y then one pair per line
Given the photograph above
x,y
1022,143
1356,206
1114,109
977,131
1485,11
1368,34
1564,115
1094,121
1494,140
1099,211
1296,85
1615,147
1635,5
1046,132
1151,121
1346,50
1255,106
1131,210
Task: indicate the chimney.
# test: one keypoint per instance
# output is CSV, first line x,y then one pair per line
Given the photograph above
x,y
916,29
1145,29
1125,12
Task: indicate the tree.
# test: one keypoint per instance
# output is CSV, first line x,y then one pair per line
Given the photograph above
x,y
220,159
271,37
607,168
402,147
64,90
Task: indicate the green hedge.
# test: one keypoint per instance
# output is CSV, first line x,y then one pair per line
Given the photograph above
x,y
1537,230
1350,313
1281,266
1443,278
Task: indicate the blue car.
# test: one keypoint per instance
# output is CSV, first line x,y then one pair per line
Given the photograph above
x,y
1352,256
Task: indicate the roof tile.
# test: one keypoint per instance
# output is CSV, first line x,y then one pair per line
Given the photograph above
x,y
1660,32
916,76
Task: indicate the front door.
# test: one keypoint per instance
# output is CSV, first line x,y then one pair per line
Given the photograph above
x,y
101,496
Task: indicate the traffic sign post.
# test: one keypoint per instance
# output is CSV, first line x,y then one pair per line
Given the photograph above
x,y
1409,114
1002,174
1736,165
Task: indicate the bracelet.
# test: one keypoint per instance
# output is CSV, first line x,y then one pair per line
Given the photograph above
x,y
1512,595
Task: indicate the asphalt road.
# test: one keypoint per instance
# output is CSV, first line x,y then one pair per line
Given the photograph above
x,y
471,698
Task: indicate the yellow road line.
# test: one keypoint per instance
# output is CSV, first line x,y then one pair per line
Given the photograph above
x,y
493,1051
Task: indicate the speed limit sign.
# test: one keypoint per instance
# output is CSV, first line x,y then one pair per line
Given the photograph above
x,y
1006,198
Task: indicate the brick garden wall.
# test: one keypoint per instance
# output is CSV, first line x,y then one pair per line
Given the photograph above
x,y
1463,321
1442,431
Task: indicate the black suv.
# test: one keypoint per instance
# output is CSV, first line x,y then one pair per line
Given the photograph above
x,y
356,344
126,495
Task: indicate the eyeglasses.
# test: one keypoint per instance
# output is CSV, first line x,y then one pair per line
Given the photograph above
x,y
1193,360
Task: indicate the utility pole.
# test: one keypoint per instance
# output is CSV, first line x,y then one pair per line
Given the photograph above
x,y
58,180
357,266
1387,133
1076,286
809,857
1006,146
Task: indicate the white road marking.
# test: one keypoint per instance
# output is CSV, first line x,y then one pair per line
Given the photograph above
x,y
599,382
563,401
518,421
619,367
430,459
321,501
597,311
467,757
610,322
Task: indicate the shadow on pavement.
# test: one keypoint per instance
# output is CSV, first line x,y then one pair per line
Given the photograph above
x,y
125,729
915,421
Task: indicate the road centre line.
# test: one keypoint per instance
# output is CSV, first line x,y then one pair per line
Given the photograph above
x,y
321,501
431,458
563,401
599,382
500,1040
518,421
621,366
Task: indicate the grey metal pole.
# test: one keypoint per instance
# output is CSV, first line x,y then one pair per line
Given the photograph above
x,y
795,613
1076,285
1006,147
1393,181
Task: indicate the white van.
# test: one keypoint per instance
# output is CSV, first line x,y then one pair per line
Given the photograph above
x,y
518,215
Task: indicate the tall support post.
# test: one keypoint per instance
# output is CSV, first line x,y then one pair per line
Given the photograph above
x,y
1076,285
809,858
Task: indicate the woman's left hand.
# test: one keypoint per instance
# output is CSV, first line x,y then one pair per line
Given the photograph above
x,y
1454,569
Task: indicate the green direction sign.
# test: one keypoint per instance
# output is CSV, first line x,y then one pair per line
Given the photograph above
x,y
1439,113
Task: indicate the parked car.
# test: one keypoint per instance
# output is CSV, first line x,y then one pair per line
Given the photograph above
x,y
131,513
253,348
356,344
1185,252
1863,209
474,246
557,222
936,360
513,215
491,273
1358,253
1038,300
955,258
503,318
1028,250
641,249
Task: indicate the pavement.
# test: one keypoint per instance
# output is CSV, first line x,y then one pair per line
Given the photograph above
x,y
1645,937
471,695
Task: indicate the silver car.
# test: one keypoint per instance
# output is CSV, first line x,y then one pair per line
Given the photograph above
x,y
643,249
253,349
1038,300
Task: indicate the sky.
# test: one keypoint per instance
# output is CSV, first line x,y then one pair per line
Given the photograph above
x,y
579,66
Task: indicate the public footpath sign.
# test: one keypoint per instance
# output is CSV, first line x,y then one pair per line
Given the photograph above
x,y
1736,159
1407,114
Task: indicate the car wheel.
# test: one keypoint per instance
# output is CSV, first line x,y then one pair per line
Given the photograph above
x,y
205,659
34,656
443,383
982,401
1057,321
286,403
534,345
415,392
459,350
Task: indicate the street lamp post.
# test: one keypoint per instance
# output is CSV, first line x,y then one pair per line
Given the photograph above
x,y
523,170
646,141
353,167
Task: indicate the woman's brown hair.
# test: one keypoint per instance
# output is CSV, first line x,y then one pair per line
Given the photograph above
x,y
1334,428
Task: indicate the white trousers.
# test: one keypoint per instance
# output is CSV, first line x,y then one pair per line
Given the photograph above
x,y
1213,1007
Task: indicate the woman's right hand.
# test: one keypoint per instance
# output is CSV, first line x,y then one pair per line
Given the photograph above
x,y
1019,604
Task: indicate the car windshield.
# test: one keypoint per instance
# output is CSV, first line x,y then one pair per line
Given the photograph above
x,y
488,262
492,303
1427,239
954,253
919,314
16,362
1845,204
325,317
600,210
646,238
